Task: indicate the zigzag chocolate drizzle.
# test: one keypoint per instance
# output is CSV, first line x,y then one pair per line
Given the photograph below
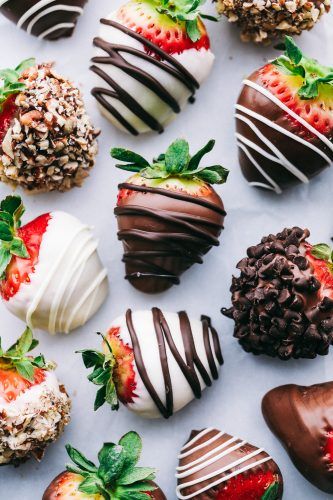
x,y
165,61
189,366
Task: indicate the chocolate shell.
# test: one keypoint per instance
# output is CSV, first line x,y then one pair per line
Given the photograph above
x,y
165,232
276,151
210,459
278,307
50,20
302,418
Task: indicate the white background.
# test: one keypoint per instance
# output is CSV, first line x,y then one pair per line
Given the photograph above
x,y
233,403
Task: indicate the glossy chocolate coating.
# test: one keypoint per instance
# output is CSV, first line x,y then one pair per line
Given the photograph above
x,y
60,14
301,417
278,307
308,161
164,233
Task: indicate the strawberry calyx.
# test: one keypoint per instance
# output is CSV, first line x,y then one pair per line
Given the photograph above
x,y
116,477
15,358
11,83
314,76
176,162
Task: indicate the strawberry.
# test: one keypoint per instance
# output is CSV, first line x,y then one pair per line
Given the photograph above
x,y
168,214
116,477
255,486
165,25
285,120
301,418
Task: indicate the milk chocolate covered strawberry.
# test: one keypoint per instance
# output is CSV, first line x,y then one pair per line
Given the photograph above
x,y
283,298
155,363
216,465
169,216
34,408
151,57
51,276
116,477
284,118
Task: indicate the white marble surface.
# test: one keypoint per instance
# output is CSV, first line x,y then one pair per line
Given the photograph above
x,y
233,403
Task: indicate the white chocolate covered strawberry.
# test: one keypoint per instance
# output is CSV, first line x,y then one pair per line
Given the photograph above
x,y
151,56
155,363
51,275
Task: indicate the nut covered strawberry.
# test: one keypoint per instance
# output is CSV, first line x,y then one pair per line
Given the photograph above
x,y
50,274
284,118
216,465
168,214
151,57
155,363
115,478
282,302
34,408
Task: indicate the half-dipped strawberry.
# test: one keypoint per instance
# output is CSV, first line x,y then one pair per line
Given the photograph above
x,y
216,465
50,274
116,477
168,214
151,56
284,120
34,408
302,418
155,363
283,298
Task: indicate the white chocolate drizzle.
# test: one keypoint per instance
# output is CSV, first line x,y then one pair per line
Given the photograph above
x,y
211,457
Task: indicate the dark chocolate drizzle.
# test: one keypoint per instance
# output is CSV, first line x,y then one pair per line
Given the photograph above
x,y
164,61
196,238
188,367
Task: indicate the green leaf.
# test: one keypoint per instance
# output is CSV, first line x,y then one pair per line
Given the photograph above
x,y
112,460
292,51
215,174
177,156
136,474
155,172
39,361
129,157
99,376
193,31
92,358
91,485
132,445
11,203
23,344
6,233
100,398
8,218
27,63
111,396
18,248
322,251
5,258
309,90
79,459
142,486
196,159
25,369
272,492
125,494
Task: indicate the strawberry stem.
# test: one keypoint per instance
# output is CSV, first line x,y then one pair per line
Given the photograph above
x,y
10,80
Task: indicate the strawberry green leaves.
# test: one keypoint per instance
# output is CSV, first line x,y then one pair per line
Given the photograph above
x,y
177,161
323,252
116,477
11,211
10,80
293,62
272,492
102,375
16,356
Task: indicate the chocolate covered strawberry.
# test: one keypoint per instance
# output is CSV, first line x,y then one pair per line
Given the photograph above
x,y
51,276
168,214
34,408
47,141
283,298
151,57
302,418
116,477
284,118
50,19
155,363
216,465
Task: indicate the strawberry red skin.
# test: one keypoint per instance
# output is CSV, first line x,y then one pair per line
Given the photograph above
x,y
322,271
12,384
328,449
6,116
19,270
246,487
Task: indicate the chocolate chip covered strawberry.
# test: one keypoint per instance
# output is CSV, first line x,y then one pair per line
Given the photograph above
x,y
155,363
284,118
151,56
168,214
47,141
283,298
216,465
116,477
51,276
34,408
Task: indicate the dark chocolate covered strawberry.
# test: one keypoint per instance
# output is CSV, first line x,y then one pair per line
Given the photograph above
x,y
284,118
216,465
302,418
48,19
168,214
283,298
116,477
